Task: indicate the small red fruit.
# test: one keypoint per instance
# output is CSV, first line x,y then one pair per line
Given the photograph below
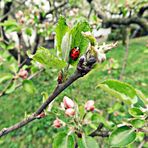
x,y
74,53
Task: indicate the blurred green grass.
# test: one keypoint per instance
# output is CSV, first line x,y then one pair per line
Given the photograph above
x,y
39,133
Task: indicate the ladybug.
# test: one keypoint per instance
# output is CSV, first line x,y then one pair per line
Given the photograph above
x,y
74,53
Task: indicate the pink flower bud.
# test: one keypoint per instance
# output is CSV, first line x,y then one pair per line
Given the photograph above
x,y
68,103
116,113
70,112
89,106
22,20
23,74
57,123
19,14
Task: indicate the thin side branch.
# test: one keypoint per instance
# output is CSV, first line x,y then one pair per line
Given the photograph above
x,y
56,92
99,132
3,93
142,10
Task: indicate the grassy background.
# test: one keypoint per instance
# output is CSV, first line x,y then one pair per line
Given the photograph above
x,y
38,133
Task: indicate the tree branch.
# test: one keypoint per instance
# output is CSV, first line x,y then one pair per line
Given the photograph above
x,y
37,40
99,132
3,93
7,8
142,10
109,22
11,10
60,87
127,21
60,6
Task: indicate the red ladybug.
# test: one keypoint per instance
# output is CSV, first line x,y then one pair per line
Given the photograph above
x,y
74,53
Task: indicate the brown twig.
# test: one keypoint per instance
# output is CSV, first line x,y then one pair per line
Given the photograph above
x,y
60,6
90,11
19,49
5,15
99,132
142,10
59,88
29,78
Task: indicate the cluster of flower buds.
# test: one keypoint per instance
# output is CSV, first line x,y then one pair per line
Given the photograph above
x,y
68,106
89,105
23,74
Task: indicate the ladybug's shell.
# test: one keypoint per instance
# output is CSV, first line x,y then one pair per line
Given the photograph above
x,y
74,53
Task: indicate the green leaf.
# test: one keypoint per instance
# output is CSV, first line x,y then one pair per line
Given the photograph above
x,y
2,45
122,136
66,46
120,90
138,123
13,67
11,26
135,112
87,142
45,96
11,88
78,40
45,57
10,46
61,29
99,118
5,76
28,31
142,96
63,140
8,23
90,37
29,87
